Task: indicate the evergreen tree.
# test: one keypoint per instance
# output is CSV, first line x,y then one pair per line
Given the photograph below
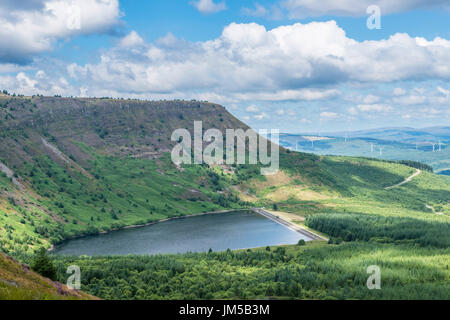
x,y
43,265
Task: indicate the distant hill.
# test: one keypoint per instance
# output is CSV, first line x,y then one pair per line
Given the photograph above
x,y
403,134
429,145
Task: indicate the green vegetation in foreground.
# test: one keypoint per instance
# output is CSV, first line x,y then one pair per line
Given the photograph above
x,y
314,271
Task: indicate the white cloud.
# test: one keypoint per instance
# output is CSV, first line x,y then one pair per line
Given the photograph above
x,y
328,115
445,92
307,8
257,11
249,63
432,112
369,99
131,40
261,116
353,111
35,26
252,108
209,6
280,112
399,92
40,83
374,108
410,99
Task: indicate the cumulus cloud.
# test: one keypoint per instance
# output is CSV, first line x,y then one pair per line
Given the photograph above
x,y
252,108
328,115
443,91
209,6
370,98
248,62
374,108
261,116
312,8
258,11
39,82
131,40
398,92
410,99
33,26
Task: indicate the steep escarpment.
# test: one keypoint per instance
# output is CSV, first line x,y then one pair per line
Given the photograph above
x,y
72,167
113,127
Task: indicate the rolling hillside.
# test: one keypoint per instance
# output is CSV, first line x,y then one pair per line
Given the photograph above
x,y
74,167
389,144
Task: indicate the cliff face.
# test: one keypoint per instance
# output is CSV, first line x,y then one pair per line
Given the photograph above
x,y
114,127
71,167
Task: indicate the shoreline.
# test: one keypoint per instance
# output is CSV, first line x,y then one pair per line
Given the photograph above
x,y
287,224
135,226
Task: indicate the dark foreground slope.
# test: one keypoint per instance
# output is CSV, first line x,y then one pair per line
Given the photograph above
x,y
18,282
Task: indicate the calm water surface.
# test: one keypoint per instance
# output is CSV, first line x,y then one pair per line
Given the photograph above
x,y
233,230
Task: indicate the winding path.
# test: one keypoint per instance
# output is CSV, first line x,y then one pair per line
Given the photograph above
x,y
405,181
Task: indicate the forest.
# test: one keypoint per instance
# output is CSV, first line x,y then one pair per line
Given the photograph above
x,y
314,271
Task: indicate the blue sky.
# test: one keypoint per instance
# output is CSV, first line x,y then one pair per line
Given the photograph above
x,y
296,65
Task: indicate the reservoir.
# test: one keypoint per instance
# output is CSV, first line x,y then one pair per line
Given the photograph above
x,y
220,231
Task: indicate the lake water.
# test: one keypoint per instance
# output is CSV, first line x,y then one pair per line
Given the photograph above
x,y
233,230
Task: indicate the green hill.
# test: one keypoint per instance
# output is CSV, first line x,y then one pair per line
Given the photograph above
x,y
74,167
418,147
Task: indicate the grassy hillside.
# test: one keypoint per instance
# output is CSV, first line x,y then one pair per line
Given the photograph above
x,y
73,167
17,282
395,149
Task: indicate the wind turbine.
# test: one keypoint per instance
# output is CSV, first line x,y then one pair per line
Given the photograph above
x,y
440,145
433,146
381,151
371,147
